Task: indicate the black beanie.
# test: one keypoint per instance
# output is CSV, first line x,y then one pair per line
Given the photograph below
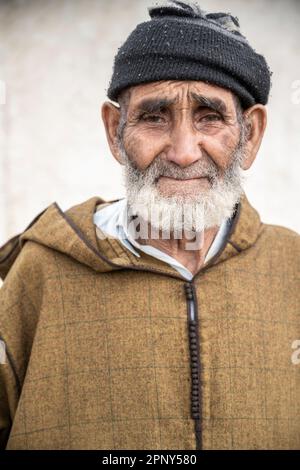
x,y
182,42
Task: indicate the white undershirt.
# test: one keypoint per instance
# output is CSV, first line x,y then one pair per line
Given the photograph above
x,y
112,221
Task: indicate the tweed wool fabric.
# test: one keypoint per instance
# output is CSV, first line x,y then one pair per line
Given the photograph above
x,y
181,42
98,349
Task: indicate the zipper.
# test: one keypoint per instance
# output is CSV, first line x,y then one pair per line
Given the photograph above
x,y
192,320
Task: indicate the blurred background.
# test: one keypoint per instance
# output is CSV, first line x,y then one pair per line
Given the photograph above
x,y
56,60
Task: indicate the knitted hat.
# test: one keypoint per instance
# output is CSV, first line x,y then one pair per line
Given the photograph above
x,y
182,42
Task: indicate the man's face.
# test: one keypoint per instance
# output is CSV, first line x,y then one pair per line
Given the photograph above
x,y
189,127
182,145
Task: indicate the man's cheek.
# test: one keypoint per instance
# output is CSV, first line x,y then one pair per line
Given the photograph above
x,y
141,151
219,150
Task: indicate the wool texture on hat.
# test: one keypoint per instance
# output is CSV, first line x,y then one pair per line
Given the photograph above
x,y
182,42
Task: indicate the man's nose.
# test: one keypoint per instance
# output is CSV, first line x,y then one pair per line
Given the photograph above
x,y
185,145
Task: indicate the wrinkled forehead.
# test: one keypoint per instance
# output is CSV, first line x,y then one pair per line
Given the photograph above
x,y
177,92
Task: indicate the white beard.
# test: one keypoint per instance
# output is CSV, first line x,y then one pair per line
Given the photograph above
x,y
183,213
207,210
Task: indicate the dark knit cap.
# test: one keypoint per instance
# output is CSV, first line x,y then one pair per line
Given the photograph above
x,y
182,42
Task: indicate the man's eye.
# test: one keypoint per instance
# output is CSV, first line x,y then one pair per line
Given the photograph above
x,y
155,118
211,118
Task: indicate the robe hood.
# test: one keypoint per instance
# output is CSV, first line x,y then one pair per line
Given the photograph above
x,y
74,234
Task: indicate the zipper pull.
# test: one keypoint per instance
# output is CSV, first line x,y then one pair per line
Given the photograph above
x,y
191,301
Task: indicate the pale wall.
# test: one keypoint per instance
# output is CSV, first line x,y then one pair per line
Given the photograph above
x,y
56,58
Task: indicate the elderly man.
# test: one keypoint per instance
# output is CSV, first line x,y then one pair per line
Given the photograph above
x,y
168,319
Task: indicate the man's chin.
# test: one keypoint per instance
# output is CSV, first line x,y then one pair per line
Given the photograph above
x,y
187,189
182,197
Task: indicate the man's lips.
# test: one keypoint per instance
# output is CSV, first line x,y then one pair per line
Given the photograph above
x,y
184,179
196,183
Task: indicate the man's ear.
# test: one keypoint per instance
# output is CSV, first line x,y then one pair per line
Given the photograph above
x,y
256,122
111,118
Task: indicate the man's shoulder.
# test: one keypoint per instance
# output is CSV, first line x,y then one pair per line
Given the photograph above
x,y
277,237
29,263
280,232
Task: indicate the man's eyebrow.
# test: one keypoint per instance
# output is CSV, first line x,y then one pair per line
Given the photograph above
x,y
213,103
152,105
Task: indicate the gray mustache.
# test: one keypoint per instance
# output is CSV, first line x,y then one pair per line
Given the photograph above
x,y
171,170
